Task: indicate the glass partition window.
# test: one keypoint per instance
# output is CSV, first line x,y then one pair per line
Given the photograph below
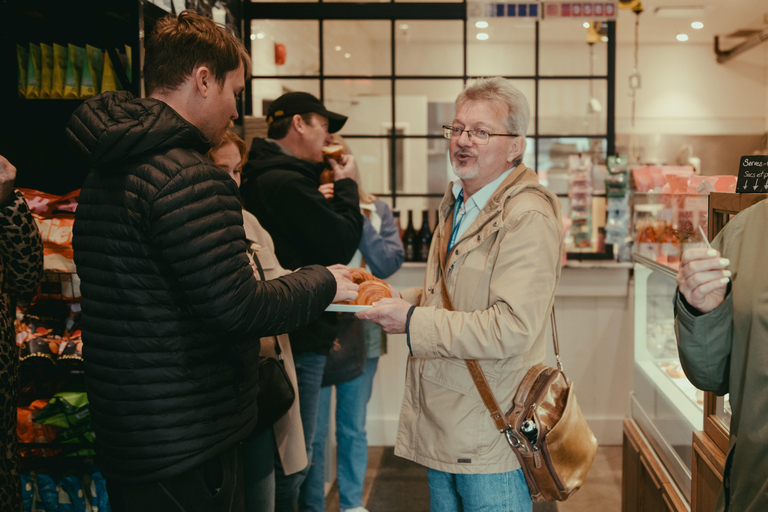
x,y
397,77
571,107
285,47
265,91
357,48
367,103
429,48
501,46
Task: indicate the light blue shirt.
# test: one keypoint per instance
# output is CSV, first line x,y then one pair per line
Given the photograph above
x,y
472,207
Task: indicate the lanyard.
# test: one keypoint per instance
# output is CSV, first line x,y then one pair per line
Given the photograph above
x,y
456,220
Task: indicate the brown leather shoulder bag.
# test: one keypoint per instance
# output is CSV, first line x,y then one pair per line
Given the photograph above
x,y
545,428
544,425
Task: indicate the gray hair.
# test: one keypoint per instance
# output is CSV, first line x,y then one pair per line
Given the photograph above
x,y
504,94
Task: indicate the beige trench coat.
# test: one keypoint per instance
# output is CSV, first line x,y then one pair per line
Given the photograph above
x,y
501,276
289,433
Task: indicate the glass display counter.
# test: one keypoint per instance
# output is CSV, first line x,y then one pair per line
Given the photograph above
x,y
664,404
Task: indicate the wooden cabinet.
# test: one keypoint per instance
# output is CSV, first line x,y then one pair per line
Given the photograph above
x,y
646,485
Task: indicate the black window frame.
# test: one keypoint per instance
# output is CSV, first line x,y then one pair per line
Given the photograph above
x,y
395,11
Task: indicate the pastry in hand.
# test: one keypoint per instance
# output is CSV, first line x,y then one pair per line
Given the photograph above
x,y
333,152
372,291
360,274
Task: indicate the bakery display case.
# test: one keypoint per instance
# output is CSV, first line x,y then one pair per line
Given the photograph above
x,y
665,407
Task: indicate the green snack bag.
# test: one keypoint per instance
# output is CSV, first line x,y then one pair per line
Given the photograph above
x,y
86,83
22,56
96,65
34,69
74,71
47,70
128,63
60,59
109,81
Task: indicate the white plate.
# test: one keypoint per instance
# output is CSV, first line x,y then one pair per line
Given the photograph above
x,y
347,308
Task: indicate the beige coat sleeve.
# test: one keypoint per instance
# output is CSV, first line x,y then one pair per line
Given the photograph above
x,y
523,279
412,295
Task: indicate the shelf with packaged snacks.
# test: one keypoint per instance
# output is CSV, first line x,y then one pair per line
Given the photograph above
x,y
32,133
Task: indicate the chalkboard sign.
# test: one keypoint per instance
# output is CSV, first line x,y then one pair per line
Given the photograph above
x,y
753,174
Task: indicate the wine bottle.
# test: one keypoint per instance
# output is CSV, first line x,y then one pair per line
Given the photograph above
x,y
409,239
396,215
425,237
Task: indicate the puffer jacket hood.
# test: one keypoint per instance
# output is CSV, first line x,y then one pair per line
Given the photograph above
x,y
115,126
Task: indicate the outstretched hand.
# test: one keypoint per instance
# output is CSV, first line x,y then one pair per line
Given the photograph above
x,y
390,314
346,290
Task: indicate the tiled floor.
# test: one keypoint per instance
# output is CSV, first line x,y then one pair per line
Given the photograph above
x,y
393,484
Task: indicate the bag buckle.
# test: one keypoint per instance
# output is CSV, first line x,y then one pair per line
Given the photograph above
x,y
512,438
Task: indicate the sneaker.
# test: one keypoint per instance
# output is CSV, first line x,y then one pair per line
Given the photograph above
x,y
356,509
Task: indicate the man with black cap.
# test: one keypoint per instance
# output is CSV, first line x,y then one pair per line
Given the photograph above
x,y
280,187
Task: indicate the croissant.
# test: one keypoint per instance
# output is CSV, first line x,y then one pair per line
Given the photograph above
x,y
372,291
359,275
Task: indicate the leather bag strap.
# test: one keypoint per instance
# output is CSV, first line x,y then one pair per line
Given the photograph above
x,y
278,350
478,376
475,370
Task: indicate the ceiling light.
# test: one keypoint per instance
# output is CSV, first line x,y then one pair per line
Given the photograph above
x,y
481,24
482,36
404,26
682,37
604,39
697,25
259,36
585,24
253,36
347,55
338,48
683,11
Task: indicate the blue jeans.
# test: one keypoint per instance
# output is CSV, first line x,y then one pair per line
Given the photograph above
x,y
499,492
259,472
352,444
309,374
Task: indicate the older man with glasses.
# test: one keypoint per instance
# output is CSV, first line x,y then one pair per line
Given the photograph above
x,y
488,293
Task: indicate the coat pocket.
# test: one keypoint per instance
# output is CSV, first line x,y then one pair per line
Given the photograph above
x,y
454,424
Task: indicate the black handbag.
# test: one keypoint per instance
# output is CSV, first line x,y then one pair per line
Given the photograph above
x,y
346,360
276,394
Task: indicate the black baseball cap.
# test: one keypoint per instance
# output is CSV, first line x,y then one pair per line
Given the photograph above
x,y
292,103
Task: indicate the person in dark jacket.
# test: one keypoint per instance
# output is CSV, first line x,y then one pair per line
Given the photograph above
x,y
280,187
21,264
171,310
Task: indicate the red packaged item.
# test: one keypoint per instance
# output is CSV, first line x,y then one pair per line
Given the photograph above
x,y
55,216
27,431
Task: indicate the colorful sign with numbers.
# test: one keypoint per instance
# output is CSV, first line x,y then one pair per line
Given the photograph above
x,y
592,11
524,10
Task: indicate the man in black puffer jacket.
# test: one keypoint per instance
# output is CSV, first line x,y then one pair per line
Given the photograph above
x,y
280,187
172,312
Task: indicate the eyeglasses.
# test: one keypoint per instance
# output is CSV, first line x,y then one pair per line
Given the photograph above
x,y
477,136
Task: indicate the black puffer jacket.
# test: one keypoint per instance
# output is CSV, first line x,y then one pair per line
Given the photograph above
x,y
170,304
282,192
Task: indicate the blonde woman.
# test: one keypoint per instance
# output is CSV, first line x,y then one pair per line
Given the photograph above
x,y
287,435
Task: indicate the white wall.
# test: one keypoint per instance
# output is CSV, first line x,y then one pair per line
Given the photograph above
x,y
685,91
